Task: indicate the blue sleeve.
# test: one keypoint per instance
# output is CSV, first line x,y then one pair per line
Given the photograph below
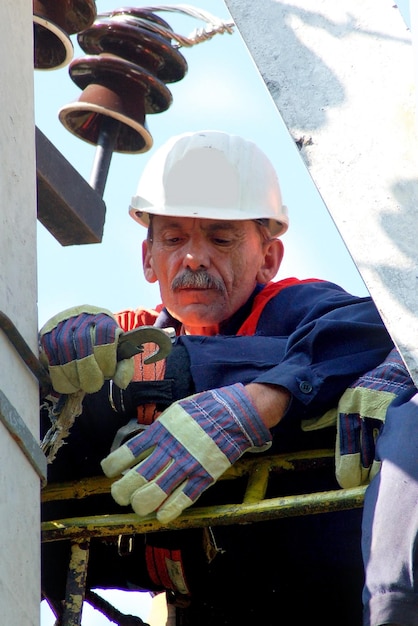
x,y
312,338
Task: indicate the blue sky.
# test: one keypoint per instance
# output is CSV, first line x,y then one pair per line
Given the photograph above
x,y
222,90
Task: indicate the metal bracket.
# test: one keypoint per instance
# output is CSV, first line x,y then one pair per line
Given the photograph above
x,y
23,437
68,207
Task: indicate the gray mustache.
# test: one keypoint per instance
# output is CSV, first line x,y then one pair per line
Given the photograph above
x,y
197,280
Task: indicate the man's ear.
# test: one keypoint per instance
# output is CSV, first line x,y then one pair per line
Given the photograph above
x,y
273,256
149,273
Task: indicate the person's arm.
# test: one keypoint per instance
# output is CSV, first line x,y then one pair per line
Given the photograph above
x,y
313,339
336,338
271,402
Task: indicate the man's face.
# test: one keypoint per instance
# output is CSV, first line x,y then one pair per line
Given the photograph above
x,y
207,269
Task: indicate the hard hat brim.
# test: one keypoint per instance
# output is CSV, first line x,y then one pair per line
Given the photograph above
x,y
141,215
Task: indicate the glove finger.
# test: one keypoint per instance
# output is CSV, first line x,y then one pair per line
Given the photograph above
x,y
147,498
80,332
79,336
166,488
106,330
174,505
118,461
123,488
72,313
150,471
134,450
96,353
87,333
56,347
124,373
184,495
105,342
69,340
88,373
63,380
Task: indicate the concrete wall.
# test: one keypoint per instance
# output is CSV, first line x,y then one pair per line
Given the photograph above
x,y
19,401
342,76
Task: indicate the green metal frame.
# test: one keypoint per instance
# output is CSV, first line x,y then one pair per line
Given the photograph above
x,y
254,507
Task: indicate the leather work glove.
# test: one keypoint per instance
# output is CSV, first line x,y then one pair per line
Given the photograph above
x,y
79,347
361,413
185,451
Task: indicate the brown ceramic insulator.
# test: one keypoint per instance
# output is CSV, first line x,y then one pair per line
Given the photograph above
x,y
53,22
52,47
116,88
70,15
108,69
132,41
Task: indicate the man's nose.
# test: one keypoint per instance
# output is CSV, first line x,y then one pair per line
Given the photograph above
x,y
196,255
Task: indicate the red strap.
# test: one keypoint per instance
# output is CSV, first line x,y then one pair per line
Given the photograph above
x,y
128,320
132,318
165,568
147,413
270,290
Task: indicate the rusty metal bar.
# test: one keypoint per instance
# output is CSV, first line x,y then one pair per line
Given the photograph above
x,y
255,467
221,515
257,483
253,509
76,584
111,612
77,490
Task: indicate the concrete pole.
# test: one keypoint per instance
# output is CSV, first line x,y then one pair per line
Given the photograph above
x,y
342,77
19,398
413,18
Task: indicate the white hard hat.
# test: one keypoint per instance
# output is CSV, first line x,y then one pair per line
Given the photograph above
x,y
210,175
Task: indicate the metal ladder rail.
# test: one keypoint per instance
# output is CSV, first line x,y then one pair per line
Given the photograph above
x,y
254,508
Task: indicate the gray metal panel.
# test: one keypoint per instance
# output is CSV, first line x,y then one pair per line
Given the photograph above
x,y
72,211
342,76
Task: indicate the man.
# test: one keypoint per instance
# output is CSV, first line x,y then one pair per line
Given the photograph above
x,y
261,358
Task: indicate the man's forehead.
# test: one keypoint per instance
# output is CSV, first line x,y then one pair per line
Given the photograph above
x,y
166,221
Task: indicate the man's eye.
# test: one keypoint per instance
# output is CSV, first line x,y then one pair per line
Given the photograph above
x,y
220,241
171,241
